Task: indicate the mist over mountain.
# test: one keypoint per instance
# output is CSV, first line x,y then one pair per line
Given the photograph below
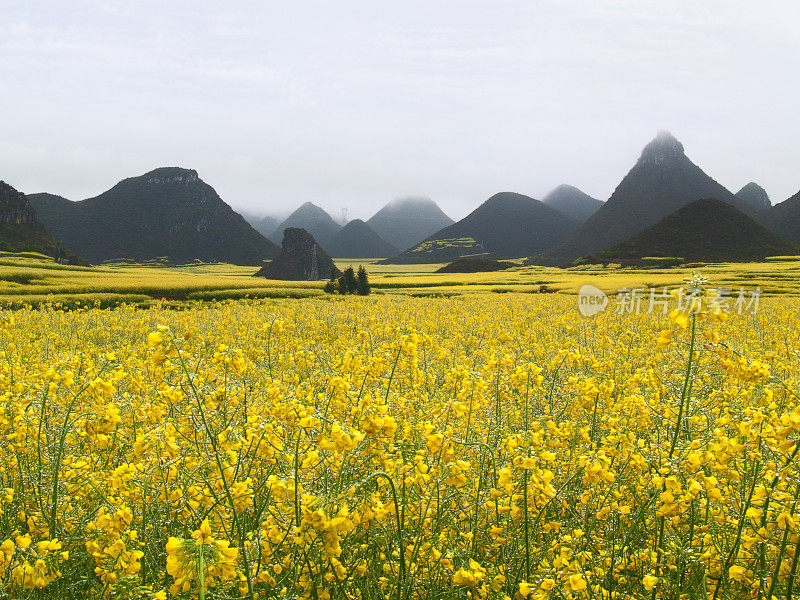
x,y
168,213
313,219
661,181
507,225
264,225
707,230
572,202
358,240
405,222
22,231
755,196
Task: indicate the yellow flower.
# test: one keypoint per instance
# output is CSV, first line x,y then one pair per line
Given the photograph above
x,y
737,573
22,541
155,338
664,338
576,582
464,577
649,582
679,318
203,534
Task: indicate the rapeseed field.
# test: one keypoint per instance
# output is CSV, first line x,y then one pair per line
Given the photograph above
x,y
480,446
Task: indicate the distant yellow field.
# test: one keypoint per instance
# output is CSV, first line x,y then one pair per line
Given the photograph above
x,y
36,279
32,279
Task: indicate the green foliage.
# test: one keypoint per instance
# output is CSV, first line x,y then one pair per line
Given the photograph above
x,y
349,283
362,282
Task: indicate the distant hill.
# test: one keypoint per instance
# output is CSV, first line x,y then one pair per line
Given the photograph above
x,y
507,225
358,240
706,230
22,231
755,196
784,219
313,219
266,226
168,213
408,221
475,265
572,202
301,259
662,181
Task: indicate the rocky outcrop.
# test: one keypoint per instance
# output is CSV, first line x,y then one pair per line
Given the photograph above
x,y
301,259
21,230
15,208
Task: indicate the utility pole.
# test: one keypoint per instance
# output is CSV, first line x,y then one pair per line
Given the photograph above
x,y
314,267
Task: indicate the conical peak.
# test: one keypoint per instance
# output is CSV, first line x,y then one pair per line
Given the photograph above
x,y
310,209
755,196
664,146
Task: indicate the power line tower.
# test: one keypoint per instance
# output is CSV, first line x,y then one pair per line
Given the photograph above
x,y
344,215
314,275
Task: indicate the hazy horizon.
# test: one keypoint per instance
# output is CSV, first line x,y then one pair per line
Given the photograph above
x,y
359,103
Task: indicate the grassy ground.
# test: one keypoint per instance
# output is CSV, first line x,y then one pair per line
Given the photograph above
x,y
34,279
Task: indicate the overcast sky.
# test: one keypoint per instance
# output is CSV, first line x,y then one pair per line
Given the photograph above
x,y
354,103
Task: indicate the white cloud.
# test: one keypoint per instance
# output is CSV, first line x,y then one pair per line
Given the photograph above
x,y
357,102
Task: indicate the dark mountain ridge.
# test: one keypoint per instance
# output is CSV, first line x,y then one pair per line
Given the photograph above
x,y
706,230
264,225
358,240
661,181
572,202
507,225
313,219
784,219
406,222
168,213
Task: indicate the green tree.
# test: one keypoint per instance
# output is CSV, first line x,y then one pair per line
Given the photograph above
x,y
347,282
362,282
